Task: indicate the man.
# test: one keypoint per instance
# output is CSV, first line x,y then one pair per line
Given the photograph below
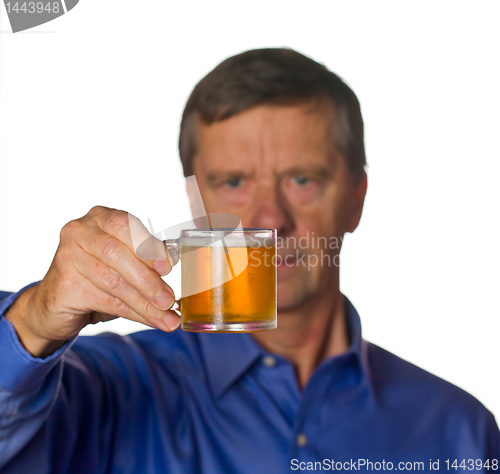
x,y
277,139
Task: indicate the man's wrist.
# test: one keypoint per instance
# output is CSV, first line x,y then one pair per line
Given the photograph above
x,y
21,314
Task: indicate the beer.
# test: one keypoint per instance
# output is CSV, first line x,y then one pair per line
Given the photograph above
x,y
228,285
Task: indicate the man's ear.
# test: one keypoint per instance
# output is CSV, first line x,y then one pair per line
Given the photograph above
x,y
195,199
358,194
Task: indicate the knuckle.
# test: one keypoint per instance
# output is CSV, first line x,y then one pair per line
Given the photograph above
x,y
119,220
63,260
71,229
118,307
112,280
147,283
148,311
109,249
96,210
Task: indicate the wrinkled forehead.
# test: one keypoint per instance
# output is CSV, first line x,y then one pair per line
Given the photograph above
x,y
268,137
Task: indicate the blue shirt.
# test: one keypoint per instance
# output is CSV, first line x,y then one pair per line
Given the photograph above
x,y
154,402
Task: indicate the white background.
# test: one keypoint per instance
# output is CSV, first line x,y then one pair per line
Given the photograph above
x,y
89,111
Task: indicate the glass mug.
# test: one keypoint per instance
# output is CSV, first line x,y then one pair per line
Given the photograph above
x,y
228,279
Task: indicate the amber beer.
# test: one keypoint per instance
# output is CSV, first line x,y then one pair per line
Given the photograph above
x,y
229,283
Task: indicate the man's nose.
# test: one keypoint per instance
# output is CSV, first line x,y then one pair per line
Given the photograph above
x,y
271,212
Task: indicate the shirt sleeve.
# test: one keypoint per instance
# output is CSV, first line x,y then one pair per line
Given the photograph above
x,y
28,386
67,412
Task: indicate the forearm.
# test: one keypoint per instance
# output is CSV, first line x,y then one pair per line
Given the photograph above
x,y
70,411
28,388
21,314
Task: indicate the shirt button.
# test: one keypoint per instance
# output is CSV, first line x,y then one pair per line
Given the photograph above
x,y
301,440
269,361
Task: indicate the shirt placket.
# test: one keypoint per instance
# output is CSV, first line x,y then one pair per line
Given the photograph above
x,y
307,422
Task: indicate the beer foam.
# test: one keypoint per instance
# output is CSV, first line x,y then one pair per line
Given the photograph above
x,y
233,240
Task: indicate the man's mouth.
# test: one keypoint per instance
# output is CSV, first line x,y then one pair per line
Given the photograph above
x,y
286,265
286,260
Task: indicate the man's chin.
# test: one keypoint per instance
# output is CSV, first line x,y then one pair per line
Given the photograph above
x,y
297,286
291,296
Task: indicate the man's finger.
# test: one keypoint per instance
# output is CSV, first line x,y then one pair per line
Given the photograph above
x,y
107,306
97,317
111,283
131,231
118,257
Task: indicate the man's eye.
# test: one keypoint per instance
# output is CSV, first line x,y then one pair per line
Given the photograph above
x,y
234,182
301,180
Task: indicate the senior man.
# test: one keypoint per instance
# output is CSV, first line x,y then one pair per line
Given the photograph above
x,y
277,139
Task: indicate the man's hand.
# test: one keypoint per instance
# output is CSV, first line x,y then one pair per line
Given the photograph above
x,y
95,276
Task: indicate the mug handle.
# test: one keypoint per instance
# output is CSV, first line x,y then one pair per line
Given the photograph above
x,y
172,246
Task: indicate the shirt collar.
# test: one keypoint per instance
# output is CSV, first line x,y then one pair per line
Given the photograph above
x,y
228,356
358,347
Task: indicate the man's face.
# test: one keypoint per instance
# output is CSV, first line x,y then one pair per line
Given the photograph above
x,y
278,167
